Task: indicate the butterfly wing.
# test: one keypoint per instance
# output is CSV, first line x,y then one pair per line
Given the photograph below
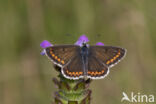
x,y
108,55
96,69
75,69
62,54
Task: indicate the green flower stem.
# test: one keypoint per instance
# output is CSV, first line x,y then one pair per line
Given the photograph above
x,y
72,91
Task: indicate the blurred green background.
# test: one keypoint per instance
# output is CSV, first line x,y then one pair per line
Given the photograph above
x,y
25,75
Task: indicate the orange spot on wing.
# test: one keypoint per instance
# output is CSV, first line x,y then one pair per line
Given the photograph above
x,y
53,55
112,60
80,73
96,72
92,73
70,73
119,53
108,62
62,62
117,56
58,59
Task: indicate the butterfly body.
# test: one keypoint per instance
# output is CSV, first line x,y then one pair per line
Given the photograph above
x,y
84,54
85,61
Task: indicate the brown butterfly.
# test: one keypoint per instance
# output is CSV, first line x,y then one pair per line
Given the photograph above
x,y
85,61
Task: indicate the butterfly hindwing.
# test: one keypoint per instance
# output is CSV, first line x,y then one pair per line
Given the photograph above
x,y
74,69
62,54
109,55
96,69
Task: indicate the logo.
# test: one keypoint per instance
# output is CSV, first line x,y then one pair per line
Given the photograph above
x,y
137,97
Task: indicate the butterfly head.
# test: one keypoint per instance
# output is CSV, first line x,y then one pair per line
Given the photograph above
x,y
84,44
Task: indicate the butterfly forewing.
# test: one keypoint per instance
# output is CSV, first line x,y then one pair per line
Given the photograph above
x,y
62,54
109,55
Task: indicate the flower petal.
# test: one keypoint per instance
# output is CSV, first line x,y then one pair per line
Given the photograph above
x,y
45,44
100,43
43,52
82,39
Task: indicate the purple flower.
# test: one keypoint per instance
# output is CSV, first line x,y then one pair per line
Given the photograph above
x,y
43,52
45,44
100,43
82,39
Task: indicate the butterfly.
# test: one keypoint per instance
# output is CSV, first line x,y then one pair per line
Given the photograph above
x,y
85,61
